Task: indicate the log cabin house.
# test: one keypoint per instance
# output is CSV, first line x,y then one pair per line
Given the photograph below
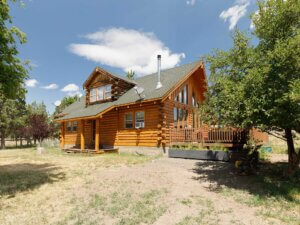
x,y
147,111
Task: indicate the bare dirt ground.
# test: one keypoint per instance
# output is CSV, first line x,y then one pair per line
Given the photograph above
x,y
133,190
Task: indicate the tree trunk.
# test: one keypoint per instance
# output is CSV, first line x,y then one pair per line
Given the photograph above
x,y
16,139
294,158
2,146
34,141
21,142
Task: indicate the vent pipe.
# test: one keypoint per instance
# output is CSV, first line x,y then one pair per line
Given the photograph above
x,y
159,85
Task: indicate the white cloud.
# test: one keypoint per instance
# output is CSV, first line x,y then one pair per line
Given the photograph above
x,y
71,90
127,49
235,13
31,82
51,87
57,103
191,2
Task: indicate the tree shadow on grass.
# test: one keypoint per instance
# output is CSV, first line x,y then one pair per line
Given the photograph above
x,y
22,177
13,147
268,182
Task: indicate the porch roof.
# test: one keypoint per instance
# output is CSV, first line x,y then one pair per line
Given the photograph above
x,y
169,78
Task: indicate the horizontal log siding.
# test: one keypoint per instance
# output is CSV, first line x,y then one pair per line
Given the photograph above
x,y
114,133
73,138
109,128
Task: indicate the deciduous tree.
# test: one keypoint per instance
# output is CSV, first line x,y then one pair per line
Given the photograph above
x,y
258,86
13,71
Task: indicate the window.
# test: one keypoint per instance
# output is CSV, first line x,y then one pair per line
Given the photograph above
x,y
74,126
140,119
93,94
128,120
185,94
100,93
180,97
108,91
193,100
175,114
185,115
69,126
180,114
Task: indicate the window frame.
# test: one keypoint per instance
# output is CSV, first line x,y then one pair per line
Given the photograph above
x,y
105,91
185,95
94,95
105,94
180,114
180,97
100,90
136,120
175,114
69,128
125,120
73,126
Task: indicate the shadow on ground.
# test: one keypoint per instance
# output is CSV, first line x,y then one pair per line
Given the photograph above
x,y
268,182
21,177
13,147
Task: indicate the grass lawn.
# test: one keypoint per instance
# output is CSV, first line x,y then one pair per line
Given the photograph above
x,y
55,188
126,189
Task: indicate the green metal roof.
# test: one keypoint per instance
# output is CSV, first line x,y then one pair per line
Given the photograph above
x,y
169,78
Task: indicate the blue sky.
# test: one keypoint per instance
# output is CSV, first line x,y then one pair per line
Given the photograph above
x,y
68,38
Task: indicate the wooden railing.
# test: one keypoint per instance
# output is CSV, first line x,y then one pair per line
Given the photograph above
x,y
208,135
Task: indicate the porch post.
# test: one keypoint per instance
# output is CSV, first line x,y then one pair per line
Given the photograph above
x,y
62,135
82,139
97,139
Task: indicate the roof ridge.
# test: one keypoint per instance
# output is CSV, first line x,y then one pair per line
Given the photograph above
x,y
167,69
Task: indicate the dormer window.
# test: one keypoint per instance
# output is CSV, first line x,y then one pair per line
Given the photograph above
x,y
93,94
100,93
108,91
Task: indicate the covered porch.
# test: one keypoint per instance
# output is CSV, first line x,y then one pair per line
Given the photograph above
x,y
83,136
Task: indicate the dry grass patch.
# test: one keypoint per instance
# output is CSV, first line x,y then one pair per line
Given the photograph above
x,y
206,212
60,188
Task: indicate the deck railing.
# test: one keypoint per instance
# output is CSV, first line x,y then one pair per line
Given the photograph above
x,y
208,135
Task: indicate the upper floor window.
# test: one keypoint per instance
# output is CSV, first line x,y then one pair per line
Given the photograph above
x,y
180,97
108,91
128,120
140,119
193,100
93,94
185,94
100,93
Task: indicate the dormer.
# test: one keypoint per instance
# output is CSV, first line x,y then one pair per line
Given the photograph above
x,y
102,86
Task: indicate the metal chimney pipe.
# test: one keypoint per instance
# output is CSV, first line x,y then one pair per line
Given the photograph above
x,y
159,85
